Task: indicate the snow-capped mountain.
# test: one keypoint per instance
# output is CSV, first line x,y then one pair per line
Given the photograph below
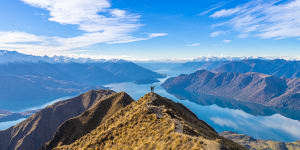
x,y
13,56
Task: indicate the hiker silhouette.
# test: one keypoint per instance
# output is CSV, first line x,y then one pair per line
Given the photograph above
x,y
152,89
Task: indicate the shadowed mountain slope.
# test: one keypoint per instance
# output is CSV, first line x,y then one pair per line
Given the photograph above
x,y
250,87
254,144
77,127
41,126
153,122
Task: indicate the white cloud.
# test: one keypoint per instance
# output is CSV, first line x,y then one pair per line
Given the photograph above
x,y
217,33
225,12
194,45
214,7
77,12
13,37
98,21
26,43
130,39
223,122
152,35
265,19
287,125
89,15
227,41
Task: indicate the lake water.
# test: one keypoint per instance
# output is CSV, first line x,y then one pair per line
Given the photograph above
x,y
275,127
7,124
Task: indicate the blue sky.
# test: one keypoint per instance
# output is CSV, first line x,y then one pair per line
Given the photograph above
x,y
151,29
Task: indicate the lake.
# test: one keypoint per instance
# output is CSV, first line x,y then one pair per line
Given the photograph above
x,y
275,127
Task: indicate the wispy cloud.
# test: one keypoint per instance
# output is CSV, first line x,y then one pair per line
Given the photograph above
x,y
217,33
227,41
266,19
99,22
225,12
193,45
130,39
215,7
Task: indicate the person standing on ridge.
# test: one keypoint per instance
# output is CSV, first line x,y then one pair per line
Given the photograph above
x,y
152,89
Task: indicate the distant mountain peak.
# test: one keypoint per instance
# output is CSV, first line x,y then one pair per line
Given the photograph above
x,y
225,58
14,56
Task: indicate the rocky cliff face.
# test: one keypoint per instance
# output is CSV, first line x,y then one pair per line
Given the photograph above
x,y
152,122
254,144
40,127
250,87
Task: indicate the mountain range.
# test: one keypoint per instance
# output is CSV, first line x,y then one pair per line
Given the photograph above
x,y
277,67
11,116
251,87
52,78
16,57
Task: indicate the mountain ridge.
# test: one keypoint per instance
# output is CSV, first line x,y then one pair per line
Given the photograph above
x,y
16,57
153,122
250,87
76,127
276,67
